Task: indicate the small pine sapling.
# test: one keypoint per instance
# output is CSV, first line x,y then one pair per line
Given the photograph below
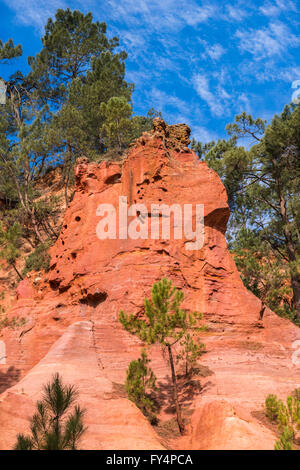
x,y
287,417
286,439
53,426
140,383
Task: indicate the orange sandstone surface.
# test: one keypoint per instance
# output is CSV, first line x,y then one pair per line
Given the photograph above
x,y
72,314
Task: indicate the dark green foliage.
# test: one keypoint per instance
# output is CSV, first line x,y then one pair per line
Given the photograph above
x,y
190,351
272,407
263,187
117,112
70,41
54,426
201,149
9,244
140,382
263,272
165,323
24,149
140,124
286,439
78,72
38,260
9,51
287,417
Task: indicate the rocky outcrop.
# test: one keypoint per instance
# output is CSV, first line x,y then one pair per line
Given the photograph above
x,y
91,279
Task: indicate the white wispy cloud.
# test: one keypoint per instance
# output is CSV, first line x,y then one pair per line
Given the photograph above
x,y
269,72
195,15
212,99
276,8
273,40
34,12
203,134
155,14
244,103
167,13
165,102
212,51
236,12
134,42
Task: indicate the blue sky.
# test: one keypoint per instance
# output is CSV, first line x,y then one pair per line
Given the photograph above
x,y
198,62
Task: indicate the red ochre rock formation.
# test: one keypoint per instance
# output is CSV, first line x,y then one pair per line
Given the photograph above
x,y
72,312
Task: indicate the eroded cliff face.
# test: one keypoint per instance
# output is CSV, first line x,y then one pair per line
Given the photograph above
x,y
90,280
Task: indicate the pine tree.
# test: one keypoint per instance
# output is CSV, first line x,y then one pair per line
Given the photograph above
x,y
9,51
77,70
263,272
287,417
69,43
24,149
140,382
54,426
103,81
9,245
190,351
165,323
263,187
286,439
116,128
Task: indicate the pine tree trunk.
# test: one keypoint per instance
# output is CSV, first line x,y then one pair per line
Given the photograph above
x,y
262,310
295,280
175,391
291,251
17,271
35,226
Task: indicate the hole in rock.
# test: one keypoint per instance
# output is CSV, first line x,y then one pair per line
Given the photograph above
x,y
157,178
113,179
54,284
163,252
93,300
146,181
77,218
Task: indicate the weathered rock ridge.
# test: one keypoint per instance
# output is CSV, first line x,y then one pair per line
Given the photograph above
x,y
72,312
